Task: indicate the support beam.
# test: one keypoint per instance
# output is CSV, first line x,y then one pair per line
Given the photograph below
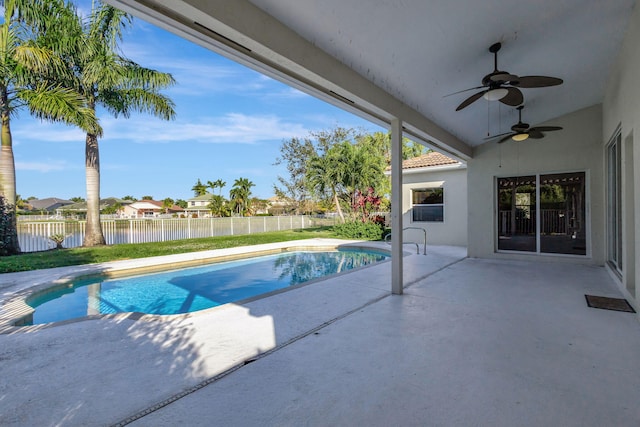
x,y
396,207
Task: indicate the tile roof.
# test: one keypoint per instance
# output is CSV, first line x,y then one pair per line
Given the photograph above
x,y
144,204
432,158
203,197
48,202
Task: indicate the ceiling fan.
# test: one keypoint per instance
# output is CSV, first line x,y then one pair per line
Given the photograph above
x,y
522,131
503,86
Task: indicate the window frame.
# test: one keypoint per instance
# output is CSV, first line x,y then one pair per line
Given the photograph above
x,y
441,205
538,225
613,176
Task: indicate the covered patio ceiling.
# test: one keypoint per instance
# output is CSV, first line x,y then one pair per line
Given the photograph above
x,y
401,58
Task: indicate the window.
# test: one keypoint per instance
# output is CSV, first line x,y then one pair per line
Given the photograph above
x,y
428,205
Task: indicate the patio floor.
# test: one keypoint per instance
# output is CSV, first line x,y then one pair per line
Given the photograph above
x,y
471,342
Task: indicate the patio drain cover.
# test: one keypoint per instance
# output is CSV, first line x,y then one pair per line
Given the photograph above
x,y
606,303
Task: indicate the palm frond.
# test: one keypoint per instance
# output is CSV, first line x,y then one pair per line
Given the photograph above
x,y
140,100
61,105
107,24
138,76
35,58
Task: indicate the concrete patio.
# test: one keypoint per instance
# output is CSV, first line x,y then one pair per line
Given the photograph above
x,y
471,342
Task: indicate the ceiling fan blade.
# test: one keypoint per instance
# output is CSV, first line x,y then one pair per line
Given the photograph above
x,y
465,90
546,128
537,81
497,136
506,138
520,127
470,100
535,134
504,77
513,98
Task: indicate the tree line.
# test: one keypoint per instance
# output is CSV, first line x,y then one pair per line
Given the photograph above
x,y
240,201
340,170
61,67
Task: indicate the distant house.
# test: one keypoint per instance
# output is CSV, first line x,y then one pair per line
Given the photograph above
x,y
279,206
434,195
148,209
48,205
80,209
199,206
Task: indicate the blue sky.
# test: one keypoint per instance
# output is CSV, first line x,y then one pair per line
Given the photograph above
x,y
230,123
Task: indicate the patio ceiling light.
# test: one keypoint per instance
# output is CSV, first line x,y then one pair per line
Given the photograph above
x,y
495,94
520,136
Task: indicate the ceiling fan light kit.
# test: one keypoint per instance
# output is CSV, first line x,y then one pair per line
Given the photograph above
x,y
495,94
520,137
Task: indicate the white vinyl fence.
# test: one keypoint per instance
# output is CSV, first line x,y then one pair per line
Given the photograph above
x,y
34,235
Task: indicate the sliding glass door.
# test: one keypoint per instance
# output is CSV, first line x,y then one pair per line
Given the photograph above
x,y
562,214
542,213
517,213
614,204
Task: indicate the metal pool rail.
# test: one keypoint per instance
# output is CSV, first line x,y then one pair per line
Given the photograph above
x,y
388,236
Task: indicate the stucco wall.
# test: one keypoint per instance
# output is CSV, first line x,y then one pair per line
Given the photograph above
x,y
578,147
621,107
453,230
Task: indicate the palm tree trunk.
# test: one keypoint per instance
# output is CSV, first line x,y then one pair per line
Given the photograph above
x,y
338,208
10,244
93,233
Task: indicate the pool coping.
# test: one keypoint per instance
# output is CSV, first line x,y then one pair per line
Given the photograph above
x,y
19,287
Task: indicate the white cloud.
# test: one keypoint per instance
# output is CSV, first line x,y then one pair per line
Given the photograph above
x,y
35,130
230,128
286,93
43,166
226,129
199,76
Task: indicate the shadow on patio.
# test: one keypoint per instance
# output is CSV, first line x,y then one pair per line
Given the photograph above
x,y
477,343
471,342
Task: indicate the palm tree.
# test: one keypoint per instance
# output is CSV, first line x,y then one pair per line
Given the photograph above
x,y
324,176
240,194
218,205
199,189
24,61
218,183
363,167
167,204
106,78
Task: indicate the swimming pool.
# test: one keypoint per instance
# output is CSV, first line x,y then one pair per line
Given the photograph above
x,y
196,288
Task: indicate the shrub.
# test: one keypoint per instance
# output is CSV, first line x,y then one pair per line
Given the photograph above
x,y
359,230
58,239
7,228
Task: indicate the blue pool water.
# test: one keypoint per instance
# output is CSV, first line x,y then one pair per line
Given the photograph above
x,y
196,288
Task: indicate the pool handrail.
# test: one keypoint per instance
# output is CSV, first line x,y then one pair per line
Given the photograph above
x,y
388,236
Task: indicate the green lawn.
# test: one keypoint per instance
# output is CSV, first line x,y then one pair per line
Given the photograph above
x,y
78,256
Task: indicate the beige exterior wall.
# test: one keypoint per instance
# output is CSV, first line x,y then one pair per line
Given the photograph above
x,y
621,108
453,231
578,147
